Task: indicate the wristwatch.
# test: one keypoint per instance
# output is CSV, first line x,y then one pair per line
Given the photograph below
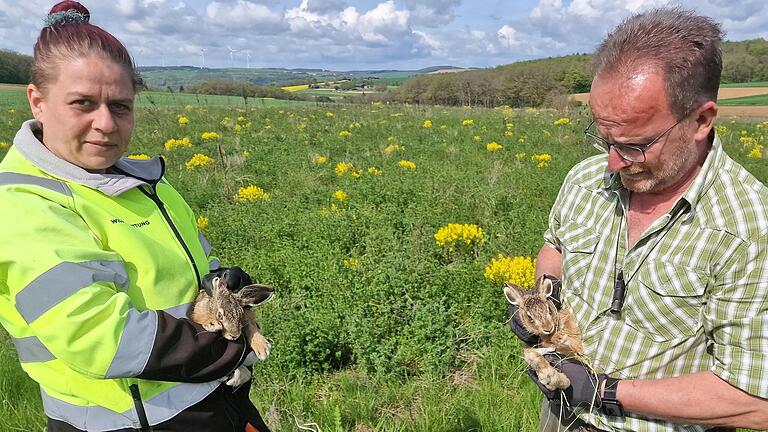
x,y
611,406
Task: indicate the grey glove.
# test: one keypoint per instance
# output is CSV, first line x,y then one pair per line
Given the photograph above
x,y
584,390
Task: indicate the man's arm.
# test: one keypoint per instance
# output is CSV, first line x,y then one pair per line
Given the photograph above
x,y
698,398
549,261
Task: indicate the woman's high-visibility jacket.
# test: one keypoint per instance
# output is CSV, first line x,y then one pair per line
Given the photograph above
x,y
97,272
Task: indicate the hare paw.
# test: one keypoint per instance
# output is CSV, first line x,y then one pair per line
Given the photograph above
x,y
261,346
552,379
240,376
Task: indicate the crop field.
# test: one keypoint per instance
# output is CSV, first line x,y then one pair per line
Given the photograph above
x,y
387,232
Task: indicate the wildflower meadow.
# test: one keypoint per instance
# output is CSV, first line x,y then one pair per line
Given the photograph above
x,y
388,232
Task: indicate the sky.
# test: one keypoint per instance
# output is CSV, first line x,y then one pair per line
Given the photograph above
x,y
362,34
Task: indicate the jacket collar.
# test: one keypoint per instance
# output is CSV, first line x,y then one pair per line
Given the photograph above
x,y
124,175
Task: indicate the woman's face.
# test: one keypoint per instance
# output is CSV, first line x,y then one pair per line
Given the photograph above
x,y
87,113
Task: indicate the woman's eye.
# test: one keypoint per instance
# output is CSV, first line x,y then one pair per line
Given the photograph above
x,y
83,103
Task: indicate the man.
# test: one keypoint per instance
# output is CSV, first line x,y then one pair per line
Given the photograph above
x,y
661,245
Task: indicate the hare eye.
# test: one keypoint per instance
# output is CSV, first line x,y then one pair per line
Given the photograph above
x,y
219,315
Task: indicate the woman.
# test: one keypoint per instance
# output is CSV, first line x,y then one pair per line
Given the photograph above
x,y
101,257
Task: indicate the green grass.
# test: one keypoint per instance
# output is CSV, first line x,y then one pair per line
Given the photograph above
x,y
756,100
412,337
747,84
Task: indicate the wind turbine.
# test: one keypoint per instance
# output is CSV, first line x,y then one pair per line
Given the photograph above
x,y
231,56
248,59
202,58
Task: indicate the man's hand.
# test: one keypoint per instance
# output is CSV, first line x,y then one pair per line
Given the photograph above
x,y
584,390
516,325
235,278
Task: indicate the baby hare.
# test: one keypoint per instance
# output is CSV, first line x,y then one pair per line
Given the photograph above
x,y
556,329
228,312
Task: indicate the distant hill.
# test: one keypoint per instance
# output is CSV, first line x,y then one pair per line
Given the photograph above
x,y
184,76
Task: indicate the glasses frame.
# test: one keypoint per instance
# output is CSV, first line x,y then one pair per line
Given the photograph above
x,y
606,147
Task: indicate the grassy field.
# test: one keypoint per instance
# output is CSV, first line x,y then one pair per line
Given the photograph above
x,y
376,326
748,84
756,100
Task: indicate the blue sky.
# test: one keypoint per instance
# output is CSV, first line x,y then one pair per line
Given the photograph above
x,y
362,34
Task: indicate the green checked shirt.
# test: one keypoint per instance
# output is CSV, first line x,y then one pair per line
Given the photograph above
x,y
697,280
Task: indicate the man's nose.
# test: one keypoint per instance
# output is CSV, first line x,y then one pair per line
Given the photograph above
x,y
615,161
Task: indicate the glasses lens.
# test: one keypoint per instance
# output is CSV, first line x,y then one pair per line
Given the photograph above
x,y
630,153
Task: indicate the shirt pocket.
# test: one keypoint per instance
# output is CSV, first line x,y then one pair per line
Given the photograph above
x,y
578,249
667,300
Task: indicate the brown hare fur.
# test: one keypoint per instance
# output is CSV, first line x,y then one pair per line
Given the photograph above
x,y
556,329
226,311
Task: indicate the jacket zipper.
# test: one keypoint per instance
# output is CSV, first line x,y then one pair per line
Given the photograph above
x,y
156,199
145,427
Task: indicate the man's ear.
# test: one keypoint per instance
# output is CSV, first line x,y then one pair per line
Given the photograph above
x,y
705,120
35,99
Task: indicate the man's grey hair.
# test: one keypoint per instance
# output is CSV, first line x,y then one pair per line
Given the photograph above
x,y
679,43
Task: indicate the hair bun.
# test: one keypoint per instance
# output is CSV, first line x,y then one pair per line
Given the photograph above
x,y
67,12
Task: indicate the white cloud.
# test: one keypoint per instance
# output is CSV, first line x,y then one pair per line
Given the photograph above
x,y
245,15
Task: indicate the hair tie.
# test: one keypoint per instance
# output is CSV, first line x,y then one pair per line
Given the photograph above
x,y
70,16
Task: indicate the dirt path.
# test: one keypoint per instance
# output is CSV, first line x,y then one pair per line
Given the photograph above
x,y
12,87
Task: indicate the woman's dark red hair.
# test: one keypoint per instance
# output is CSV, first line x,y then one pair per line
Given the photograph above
x,y
69,37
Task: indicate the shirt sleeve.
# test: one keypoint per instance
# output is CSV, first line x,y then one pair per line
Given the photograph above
x,y
736,318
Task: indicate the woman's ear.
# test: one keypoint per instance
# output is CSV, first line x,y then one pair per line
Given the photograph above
x,y
35,99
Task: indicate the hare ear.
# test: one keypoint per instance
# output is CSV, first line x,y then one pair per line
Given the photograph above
x,y
254,295
543,287
514,294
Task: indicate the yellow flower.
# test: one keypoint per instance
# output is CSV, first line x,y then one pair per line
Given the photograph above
x,y
251,194
427,124
508,133
345,134
188,107
406,164
542,165
374,171
351,262
517,270
4,145
544,157
493,146
202,222
340,196
562,121
329,114
172,143
391,138
342,168
140,156
391,148
238,128
356,174
477,138
198,160
206,136
319,159
443,126
520,156
240,118
183,120
509,126
756,153
454,235
468,122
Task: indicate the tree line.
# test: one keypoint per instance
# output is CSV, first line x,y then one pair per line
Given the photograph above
x,y
243,89
14,67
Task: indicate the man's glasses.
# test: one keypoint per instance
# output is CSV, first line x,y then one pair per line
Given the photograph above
x,y
630,152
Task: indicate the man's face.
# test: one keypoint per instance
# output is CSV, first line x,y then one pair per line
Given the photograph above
x,y
87,113
635,110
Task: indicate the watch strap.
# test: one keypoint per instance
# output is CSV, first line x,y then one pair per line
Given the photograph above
x,y
610,405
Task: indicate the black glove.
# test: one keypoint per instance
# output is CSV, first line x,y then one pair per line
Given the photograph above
x,y
584,390
517,327
235,278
